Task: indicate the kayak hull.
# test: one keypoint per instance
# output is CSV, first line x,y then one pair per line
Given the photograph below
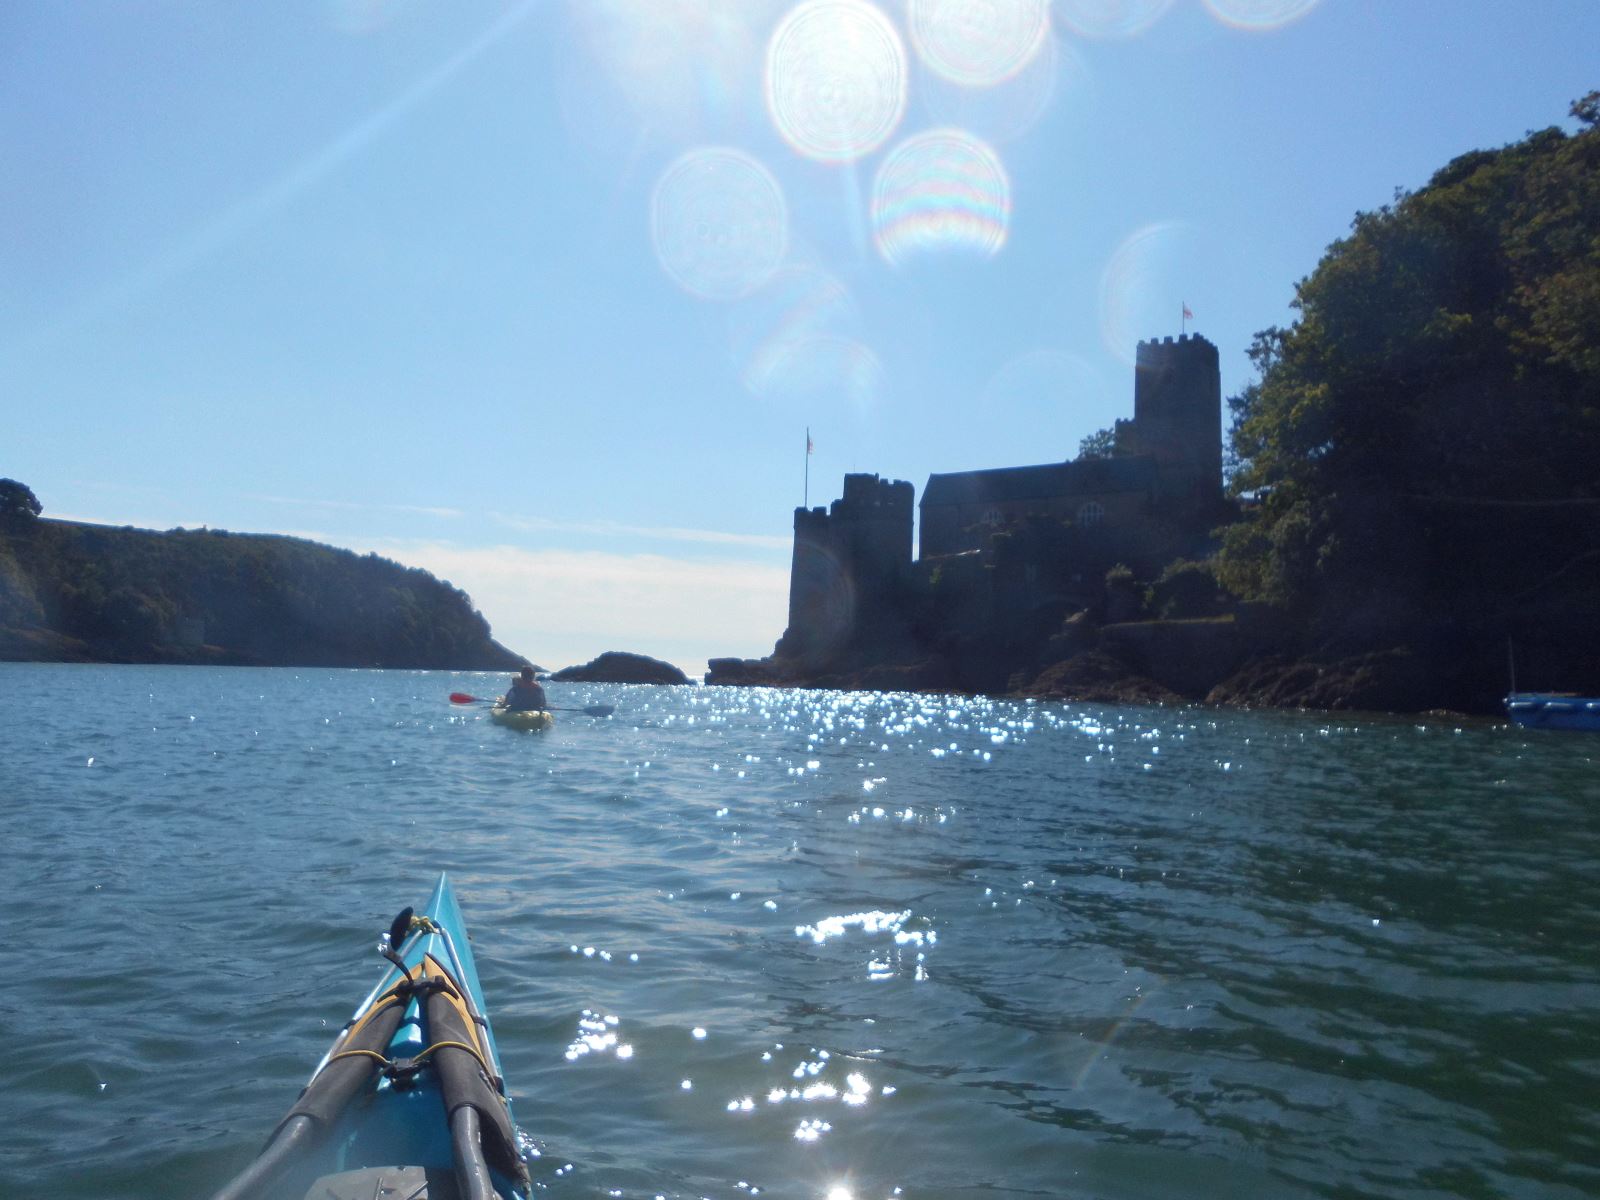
x,y
528,719
1553,710
411,1090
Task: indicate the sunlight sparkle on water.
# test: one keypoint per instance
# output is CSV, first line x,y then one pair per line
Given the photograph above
x,y
811,1130
597,1033
836,79
941,190
869,922
719,222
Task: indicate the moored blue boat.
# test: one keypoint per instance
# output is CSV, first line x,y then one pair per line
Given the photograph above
x,y
1553,710
410,1100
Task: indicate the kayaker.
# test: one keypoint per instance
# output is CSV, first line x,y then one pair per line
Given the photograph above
x,y
525,691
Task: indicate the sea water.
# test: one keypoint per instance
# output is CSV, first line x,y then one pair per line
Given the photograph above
x,y
826,945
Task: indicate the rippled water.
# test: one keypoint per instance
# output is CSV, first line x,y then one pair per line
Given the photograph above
x,y
812,944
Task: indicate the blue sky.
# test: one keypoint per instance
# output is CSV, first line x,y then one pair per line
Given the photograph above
x,y
542,296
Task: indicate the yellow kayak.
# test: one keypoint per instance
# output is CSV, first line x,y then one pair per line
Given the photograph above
x,y
522,718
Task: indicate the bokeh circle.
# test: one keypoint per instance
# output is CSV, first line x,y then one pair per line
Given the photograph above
x,y
719,223
940,190
836,79
978,43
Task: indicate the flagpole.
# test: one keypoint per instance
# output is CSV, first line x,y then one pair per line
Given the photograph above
x,y
1183,324
807,503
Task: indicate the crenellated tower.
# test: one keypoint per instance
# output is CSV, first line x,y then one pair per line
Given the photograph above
x,y
1177,415
848,558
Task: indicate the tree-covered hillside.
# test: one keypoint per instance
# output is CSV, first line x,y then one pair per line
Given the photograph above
x,y
1420,456
86,592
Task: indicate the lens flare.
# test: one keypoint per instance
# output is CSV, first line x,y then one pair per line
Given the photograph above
x,y
1111,18
978,43
1260,15
720,223
822,593
942,190
1142,290
1011,108
836,79
820,370
797,304
658,69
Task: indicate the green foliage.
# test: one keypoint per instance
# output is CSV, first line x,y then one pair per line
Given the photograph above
x,y
1103,443
1124,598
1438,401
19,605
134,594
18,505
1185,589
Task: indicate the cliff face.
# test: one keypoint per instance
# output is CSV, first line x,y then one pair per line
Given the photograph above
x,y
90,593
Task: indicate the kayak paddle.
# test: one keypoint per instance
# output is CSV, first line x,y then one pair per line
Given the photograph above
x,y
594,710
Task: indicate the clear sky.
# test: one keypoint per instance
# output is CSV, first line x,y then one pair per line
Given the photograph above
x,y
543,296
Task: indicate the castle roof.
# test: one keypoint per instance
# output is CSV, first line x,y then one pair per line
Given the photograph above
x,y
1130,473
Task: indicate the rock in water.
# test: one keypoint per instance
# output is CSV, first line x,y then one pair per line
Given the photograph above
x,y
615,666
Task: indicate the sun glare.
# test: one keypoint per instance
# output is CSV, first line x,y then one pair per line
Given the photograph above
x,y
836,79
978,43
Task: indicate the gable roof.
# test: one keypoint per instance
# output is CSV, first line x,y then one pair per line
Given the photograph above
x,y
1048,481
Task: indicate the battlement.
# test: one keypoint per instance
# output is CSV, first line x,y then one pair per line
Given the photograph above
x,y
1169,348
810,520
868,493
867,498
847,559
1177,410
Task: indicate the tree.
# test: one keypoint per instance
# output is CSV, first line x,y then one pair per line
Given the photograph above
x,y
18,505
1423,439
1103,443
1587,109
1185,589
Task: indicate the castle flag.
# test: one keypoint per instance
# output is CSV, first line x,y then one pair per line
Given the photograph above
x,y
1187,315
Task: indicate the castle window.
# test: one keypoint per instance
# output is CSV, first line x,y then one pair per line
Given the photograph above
x,y
992,518
1090,514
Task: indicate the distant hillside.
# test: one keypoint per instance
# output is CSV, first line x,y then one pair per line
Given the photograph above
x,y
92,593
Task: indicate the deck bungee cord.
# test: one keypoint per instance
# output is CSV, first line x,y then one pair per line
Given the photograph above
x,y
364,1120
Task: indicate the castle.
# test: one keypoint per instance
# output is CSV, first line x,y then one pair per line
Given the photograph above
x,y
1059,525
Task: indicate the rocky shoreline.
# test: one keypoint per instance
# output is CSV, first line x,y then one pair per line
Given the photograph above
x,y
1221,662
